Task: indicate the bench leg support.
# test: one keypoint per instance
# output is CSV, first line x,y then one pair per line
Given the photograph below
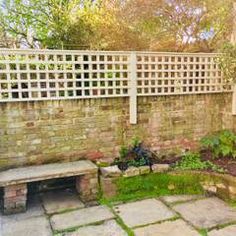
x,y
87,187
15,197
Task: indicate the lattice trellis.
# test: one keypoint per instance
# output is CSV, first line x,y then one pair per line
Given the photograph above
x,y
170,74
30,75
45,75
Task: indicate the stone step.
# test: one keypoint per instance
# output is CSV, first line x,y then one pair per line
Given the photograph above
x,y
227,231
60,201
206,213
173,228
29,227
108,228
86,216
143,212
180,198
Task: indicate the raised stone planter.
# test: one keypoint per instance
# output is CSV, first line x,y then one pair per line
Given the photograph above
x,y
221,185
108,176
158,168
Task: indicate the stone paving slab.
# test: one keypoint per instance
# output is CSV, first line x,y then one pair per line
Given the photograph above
x,y
108,228
81,217
227,231
143,212
206,213
61,200
29,227
180,198
168,228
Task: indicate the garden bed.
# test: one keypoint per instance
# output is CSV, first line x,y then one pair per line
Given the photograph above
x,y
140,172
225,163
138,183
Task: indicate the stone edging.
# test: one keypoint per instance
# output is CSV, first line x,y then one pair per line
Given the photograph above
x,y
114,171
221,185
109,174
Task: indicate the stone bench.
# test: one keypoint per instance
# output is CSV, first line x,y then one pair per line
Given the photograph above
x,y
14,181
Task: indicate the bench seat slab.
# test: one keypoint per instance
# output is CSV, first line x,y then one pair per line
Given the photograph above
x,y
15,181
44,172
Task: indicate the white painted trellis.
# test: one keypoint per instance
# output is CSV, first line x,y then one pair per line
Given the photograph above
x,y
31,75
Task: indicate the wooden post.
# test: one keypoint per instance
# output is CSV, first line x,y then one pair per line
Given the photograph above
x,y
233,35
133,88
233,41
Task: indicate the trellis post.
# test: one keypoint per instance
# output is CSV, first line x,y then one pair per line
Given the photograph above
x,y
133,88
233,41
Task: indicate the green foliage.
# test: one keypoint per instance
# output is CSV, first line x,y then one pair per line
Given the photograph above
x,y
192,161
135,142
203,232
117,25
221,145
155,185
123,152
137,163
227,62
50,23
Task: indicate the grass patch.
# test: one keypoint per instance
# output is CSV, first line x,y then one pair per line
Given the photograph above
x,y
232,203
155,185
123,226
203,232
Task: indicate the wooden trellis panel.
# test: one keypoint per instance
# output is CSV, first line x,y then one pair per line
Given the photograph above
x,y
31,75
27,75
173,74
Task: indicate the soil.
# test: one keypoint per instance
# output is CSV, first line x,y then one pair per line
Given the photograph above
x,y
171,160
227,163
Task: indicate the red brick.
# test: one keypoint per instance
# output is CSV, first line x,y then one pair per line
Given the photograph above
x,y
95,155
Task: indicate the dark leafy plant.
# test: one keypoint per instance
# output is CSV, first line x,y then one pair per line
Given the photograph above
x,y
134,155
138,162
192,161
221,145
123,165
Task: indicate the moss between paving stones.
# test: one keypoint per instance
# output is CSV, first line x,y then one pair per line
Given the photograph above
x,y
155,185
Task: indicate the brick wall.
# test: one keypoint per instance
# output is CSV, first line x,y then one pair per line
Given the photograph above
x,y
52,131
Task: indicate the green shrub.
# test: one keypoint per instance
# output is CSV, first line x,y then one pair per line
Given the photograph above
x,y
221,145
192,161
123,152
135,142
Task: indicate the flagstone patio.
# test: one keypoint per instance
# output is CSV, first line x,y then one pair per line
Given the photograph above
x,y
63,214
